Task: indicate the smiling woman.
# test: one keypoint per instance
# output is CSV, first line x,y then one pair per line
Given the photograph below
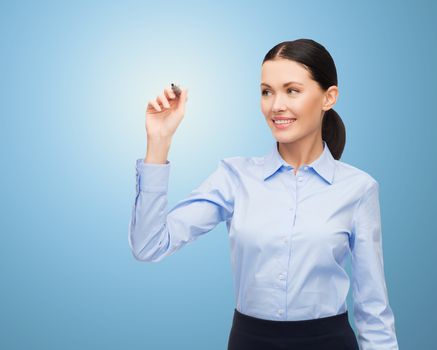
x,y
289,233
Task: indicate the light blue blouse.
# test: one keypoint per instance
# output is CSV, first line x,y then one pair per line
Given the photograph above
x,y
289,236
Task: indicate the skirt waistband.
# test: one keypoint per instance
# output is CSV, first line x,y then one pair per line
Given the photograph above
x,y
301,328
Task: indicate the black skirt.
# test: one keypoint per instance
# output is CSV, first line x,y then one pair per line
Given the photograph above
x,y
326,333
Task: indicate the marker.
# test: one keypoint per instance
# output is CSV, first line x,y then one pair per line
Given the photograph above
x,y
177,91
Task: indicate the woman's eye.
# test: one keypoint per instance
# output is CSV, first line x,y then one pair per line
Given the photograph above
x,y
288,90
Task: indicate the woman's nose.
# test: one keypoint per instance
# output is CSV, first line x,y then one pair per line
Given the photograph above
x,y
278,105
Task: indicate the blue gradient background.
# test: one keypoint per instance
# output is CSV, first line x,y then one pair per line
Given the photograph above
x,y
74,85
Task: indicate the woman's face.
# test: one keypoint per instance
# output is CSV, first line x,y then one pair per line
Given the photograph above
x,y
302,99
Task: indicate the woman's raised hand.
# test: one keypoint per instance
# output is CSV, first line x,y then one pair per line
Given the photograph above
x,y
164,114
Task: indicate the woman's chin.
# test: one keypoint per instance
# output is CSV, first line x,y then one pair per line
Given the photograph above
x,y
284,138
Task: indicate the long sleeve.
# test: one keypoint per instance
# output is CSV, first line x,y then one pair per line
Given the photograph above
x,y
373,315
154,232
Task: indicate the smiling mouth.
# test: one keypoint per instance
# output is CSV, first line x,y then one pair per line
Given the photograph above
x,y
284,123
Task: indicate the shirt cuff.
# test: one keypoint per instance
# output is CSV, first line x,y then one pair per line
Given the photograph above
x,y
152,177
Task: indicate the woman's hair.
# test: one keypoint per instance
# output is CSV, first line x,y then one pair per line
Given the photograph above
x,y
319,63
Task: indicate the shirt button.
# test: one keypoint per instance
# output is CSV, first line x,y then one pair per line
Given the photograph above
x,y
281,276
280,312
300,178
305,167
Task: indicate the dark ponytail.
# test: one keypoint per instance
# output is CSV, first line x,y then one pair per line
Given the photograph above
x,y
334,132
321,67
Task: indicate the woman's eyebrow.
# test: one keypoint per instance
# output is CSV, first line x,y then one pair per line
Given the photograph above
x,y
286,84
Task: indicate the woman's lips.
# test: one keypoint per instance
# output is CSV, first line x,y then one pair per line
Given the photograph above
x,y
284,125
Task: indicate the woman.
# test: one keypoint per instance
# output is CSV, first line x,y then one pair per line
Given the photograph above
x,y
292,215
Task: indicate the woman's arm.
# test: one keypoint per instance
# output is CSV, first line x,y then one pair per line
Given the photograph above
x,y
373,315
154,232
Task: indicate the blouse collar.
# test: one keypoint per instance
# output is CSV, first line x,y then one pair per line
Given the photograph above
x,y
324,165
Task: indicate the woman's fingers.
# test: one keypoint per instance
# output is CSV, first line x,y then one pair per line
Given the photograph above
x,y
163,101
169,93
155,105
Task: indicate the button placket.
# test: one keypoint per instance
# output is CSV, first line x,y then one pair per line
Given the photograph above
x,y
137,181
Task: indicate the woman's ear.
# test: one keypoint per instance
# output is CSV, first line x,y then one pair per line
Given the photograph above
x,y
330,98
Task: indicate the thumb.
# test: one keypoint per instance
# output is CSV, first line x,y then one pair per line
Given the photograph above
x,y
182,99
